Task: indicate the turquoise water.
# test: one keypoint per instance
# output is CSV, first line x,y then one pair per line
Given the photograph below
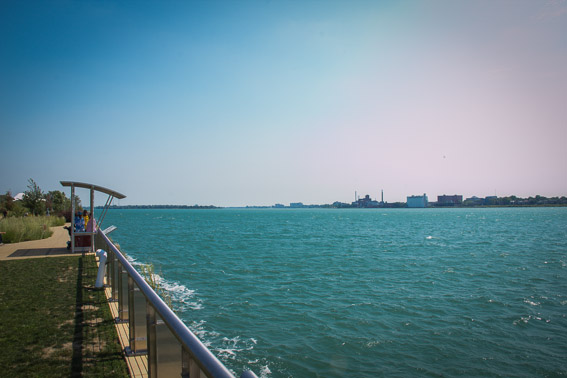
x,y
365,293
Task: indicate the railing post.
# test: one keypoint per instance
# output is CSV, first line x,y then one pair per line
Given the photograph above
x,y
152,340
185,363
114,277
108,269
137,318
194,369
122,294
189,368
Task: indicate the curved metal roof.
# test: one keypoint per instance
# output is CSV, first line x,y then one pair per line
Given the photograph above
x,y
95,187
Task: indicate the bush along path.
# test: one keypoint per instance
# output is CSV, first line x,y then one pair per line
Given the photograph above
x,y
20,229
53,322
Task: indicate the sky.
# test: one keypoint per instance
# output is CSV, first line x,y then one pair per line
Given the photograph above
x,y
235,103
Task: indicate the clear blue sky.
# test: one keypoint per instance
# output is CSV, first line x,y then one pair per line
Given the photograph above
x,y
237,103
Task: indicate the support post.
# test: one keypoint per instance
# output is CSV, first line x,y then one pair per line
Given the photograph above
x,y
136,318
114,273
92,217
123,313
72,218
185,363
151,341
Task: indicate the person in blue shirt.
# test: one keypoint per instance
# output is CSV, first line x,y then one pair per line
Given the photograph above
x,y
79,222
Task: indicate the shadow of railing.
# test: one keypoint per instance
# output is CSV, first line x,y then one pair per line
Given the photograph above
x,y
78,338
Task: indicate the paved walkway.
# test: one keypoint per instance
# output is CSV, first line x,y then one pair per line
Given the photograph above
x,y
55,245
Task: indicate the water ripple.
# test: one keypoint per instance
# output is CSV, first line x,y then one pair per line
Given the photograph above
x,y
448,292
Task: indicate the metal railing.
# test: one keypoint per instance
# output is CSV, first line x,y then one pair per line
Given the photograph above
x,y
171,348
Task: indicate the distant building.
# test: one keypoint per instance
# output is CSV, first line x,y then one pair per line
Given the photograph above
x,y
365,202
296,204
474,201
417,201
446,200
278,206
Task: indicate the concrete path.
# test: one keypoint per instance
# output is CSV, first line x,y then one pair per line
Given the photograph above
x,y
55,245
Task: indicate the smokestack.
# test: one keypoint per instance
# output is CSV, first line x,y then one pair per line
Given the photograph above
x,y
382,195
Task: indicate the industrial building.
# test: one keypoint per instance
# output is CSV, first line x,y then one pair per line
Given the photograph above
x,y
417,201
365,202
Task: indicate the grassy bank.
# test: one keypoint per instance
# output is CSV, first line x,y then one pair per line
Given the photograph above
x,y
19,229
53,323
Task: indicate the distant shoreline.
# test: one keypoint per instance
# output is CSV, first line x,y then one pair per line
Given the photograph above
x,y
367,203
211,207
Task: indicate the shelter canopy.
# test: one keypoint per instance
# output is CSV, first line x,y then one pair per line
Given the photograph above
x,y
94,187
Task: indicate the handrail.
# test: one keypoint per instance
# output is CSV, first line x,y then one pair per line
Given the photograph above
x,y
204,358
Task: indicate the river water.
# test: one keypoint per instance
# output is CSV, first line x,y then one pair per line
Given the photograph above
x,y
364,293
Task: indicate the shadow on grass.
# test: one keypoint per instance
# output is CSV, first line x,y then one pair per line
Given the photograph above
x,y
78,339
96,349
53,323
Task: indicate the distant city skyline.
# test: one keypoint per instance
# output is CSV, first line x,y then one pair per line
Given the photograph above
x,y
363,200
257,103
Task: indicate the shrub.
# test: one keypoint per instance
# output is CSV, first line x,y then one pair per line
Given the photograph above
x,y
147,271
19,229
154,280
18,210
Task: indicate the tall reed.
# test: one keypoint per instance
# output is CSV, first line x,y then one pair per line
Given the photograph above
x,y
19,229
147,271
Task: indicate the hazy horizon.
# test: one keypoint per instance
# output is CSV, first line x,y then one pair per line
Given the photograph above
x,y
256,103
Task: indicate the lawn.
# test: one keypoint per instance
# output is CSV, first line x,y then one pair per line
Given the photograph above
x,y
53,323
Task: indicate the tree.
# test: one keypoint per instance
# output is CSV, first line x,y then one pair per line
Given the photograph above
x,y
57,202
505,201
34,198
6,203
78,205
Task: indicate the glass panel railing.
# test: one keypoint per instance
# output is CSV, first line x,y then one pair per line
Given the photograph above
x,y
169,351
137,318
122,294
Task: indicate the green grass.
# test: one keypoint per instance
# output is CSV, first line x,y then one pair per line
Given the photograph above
x,y
19,229
53,323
